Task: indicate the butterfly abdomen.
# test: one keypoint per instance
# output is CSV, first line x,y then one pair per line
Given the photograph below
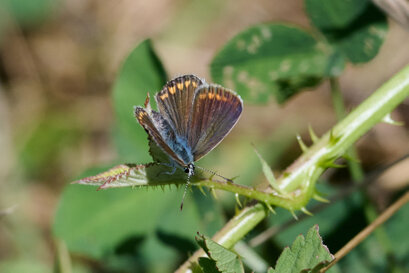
x,y
182,149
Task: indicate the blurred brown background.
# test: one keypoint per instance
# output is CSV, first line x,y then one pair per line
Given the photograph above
x,y
56,77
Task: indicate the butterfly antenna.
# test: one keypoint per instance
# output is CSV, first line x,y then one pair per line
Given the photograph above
x,y
216,174
184,192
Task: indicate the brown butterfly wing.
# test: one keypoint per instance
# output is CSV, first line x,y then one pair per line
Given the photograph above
x,y
175,101
215,111
150,122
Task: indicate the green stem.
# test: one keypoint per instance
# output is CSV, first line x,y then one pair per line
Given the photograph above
x,y
312,163
250,257
63,263
335,142
233,231
337,99
293,201
357,173
354,166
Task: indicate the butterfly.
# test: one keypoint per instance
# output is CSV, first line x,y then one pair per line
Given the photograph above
x,y
193,118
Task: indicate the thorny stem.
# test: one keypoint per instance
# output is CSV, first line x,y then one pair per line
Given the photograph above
x,y
356,171
354,166
273,230
310,165
294,201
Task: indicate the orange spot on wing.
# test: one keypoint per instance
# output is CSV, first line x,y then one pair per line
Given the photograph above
x,y
141,115
202,96
218,97
187,83
172,90
180,85
164,96
210,95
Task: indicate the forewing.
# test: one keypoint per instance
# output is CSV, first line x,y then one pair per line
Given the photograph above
x,y
152,123
215,111
175,102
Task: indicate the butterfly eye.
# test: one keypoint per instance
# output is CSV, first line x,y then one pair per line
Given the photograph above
x,y
186,170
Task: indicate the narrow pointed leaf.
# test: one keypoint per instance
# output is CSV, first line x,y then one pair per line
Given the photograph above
x,y
131,175
268,173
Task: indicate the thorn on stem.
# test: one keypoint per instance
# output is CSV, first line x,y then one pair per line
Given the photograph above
x,y
238,200
317,196
332,138
313,136
270,208
303,209
213,193
294,215
303,147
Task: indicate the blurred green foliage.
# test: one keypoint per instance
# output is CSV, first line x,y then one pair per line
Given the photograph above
x,y
141,73
355,29
269,59
339,222
134,228
28,13
56,132
281,60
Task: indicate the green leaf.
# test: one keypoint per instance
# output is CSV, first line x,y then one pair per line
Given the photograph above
x,y
306,254
133,228
96,224
28,13
355,28
208,265
339,221
226,260
132,175
334,14
270,59
336,64
141,73
148,224
333,219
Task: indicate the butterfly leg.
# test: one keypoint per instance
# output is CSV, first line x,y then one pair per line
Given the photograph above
x,y
172,171
171,165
